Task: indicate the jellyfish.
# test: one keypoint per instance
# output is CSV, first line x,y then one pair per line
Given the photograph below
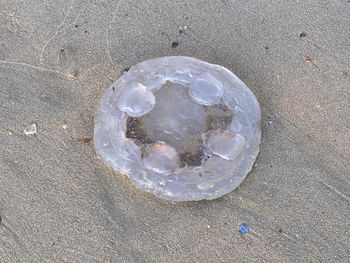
x,y
179,128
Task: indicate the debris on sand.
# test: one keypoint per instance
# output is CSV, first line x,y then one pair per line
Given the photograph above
x,y
73,74
244,229
182,29
174,44
30,130
302,35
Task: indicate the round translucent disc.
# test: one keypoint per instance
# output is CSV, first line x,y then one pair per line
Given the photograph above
x,y
180,128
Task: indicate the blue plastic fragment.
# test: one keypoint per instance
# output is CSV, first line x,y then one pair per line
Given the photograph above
x,y
244,229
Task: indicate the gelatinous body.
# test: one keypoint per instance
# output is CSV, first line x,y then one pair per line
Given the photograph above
x,y
175,116
180,128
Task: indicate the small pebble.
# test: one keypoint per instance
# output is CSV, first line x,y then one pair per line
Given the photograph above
x,y
302,35
308,61
268,122
174,44
182,29
244,229
64,126
73,74
30,129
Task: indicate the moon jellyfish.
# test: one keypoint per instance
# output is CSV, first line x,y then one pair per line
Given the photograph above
x,y
179,128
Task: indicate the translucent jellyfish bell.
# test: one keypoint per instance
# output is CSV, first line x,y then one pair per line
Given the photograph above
x,y
180,128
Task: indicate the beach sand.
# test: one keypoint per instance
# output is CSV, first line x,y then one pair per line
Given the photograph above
x,y
60,203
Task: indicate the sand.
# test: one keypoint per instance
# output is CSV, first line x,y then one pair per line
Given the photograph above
x,y
60,203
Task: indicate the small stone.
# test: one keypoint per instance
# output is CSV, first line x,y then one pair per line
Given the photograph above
x,y
30,130
73,73
269,122
64,126
244,229
308,61
302,35
174,44
182,29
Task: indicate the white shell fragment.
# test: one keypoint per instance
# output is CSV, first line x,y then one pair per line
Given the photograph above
x,y
30,130
206,90
180,128
160,158
136,101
